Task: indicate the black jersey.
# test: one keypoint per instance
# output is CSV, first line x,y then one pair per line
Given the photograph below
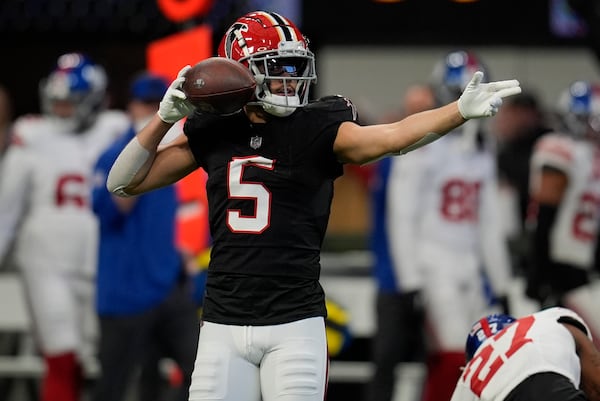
x,y
269,189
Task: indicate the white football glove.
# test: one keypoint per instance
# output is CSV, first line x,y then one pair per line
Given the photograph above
x,y
483,100
174,106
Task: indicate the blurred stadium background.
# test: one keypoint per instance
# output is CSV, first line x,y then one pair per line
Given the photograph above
x,y
368,50
116,33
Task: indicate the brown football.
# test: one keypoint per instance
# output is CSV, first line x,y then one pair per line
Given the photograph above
x,y
219,85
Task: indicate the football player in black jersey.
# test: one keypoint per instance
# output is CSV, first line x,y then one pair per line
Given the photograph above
x,y
271,169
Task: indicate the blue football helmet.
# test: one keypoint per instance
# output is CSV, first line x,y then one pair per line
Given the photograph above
x,y
76,80
579,108
483,329
452,74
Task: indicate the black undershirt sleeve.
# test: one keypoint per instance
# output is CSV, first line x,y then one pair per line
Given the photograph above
x,y
538,285
573,322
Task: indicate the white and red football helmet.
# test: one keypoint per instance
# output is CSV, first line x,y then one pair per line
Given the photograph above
x,y
79,81
273,48
452,74
579,109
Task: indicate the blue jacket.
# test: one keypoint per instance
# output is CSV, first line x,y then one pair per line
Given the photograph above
x,y
383,269
139,263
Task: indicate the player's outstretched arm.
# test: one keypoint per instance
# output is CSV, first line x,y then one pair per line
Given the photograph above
x,y
363,144
140,167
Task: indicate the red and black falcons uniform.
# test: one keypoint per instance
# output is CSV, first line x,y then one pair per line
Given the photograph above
x,y
269,188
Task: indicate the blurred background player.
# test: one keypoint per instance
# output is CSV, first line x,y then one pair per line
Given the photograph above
x,y
9,342
447,242
517,126
545,356
399,315
565,213
144,294
45,208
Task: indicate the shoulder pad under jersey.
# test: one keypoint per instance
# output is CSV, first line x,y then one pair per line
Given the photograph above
x,y
333,102
114,117
554,149
198,119
567,316
26,128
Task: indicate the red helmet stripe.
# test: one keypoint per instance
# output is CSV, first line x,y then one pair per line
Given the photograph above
x,y
485,326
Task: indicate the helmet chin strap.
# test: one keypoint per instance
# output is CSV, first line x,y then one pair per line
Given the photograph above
x,y
276,105
280,106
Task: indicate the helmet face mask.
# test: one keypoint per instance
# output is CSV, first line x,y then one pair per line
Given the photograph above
x,y
483,329
277,53
579,109
78,82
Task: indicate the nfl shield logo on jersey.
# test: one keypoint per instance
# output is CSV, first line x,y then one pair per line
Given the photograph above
x,y
255,142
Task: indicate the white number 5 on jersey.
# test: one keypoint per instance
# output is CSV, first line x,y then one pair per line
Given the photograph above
x,y
254,191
